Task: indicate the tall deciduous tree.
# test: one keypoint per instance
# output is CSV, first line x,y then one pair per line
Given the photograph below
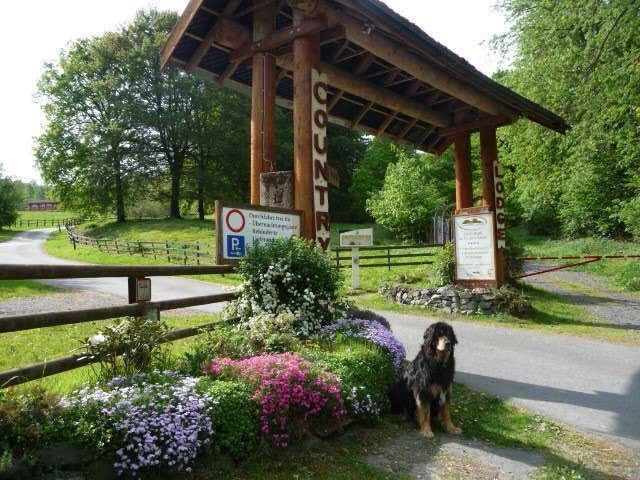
x,y
582,60
86,149
10,200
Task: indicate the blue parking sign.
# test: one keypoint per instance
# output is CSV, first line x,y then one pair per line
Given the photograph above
x,y
235,246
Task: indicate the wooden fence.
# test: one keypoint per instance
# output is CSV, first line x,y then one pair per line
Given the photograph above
x,y
174,252
47,222
17,323
382,256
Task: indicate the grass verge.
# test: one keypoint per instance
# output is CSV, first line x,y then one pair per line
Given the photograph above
x,y
23,288
550,313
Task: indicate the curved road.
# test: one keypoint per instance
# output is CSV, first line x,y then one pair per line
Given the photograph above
x,y
591,385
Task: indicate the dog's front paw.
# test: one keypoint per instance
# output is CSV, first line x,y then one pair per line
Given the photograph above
x,y
454,430
426,433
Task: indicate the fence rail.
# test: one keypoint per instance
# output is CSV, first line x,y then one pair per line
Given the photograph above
x,y
47,222
17,323
344,261
174,252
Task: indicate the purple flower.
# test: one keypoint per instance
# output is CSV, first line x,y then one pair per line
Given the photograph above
x,y
369,330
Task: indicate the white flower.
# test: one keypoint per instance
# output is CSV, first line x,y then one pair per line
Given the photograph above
x,y
97,339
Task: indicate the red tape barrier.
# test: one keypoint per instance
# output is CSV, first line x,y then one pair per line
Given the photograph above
x,y
589,259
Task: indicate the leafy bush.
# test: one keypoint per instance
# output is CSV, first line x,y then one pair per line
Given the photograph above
x,y
136,338
224,341
293,395
28,420
444,265
145,420
512,254
371,331
273,333
10,200
511,301
355,312
289,276
366,373
630,215
629,276
235,420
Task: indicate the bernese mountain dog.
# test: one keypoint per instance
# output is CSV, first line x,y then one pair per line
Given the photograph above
x,y
425,389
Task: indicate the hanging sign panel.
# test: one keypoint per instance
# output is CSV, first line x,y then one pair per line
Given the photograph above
x,y
321,177
357,238
475,246
240,227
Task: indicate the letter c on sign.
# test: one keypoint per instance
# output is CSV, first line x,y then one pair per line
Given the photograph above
x,y
322,99
320,118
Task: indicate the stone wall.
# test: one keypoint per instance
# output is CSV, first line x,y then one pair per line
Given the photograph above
x,y
449,299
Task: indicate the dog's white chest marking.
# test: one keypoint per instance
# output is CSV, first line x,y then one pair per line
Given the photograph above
x,y
443,398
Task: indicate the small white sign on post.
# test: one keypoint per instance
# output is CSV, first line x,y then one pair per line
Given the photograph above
x,y
356,239
475,251
240,227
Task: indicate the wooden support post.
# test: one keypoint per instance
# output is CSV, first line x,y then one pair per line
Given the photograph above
x,y
306,56
488,156
464,186
263,105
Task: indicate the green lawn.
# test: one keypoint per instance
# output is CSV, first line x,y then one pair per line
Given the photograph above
x,y
23,288
40,215
550,314
615,271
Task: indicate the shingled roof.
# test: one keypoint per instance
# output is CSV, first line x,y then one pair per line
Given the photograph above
x,y
387,76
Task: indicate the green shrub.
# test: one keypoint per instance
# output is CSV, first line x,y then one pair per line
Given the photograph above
x,y
364,370
139,337
235,421
512,253
220,342
273,333
629,276
511,301
28,420
289,276
444,265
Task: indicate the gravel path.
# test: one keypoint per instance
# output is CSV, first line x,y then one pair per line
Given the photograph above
x,y
615,308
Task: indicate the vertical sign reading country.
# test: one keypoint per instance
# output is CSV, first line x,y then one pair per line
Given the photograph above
x,y
319,149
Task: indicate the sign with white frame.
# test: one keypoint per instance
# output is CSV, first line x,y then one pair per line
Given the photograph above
x,y
240,227
357,238
475,246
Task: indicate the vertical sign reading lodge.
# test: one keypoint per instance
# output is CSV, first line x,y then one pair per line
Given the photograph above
x,y
319,149
501,219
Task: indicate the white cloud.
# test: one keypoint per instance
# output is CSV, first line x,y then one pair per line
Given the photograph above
x,y
34,33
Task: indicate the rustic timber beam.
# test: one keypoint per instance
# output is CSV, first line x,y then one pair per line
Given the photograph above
x,y
363,111
364,64
334,100
428,131
176,33
476,125
387,121
344,80
407,128
278,39
255,6
224,31
228,72
397,54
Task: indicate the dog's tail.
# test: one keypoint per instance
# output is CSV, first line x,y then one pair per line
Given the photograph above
x,y
401,398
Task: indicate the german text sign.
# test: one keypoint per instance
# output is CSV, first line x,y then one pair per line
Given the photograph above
x,y
240,227
357,238
475,249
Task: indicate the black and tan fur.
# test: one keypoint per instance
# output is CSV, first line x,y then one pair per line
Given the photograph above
x,y
425,390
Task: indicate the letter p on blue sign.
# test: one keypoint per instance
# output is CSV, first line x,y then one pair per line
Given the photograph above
x,y
235,246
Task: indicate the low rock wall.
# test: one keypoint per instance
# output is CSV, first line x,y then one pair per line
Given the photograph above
x,y
449,299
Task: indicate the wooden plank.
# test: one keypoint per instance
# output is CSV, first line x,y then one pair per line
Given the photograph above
x,y
398,55
279,38
228,72
407,128
38,272
364,64
387,121
476,125
363,111
178,30
334,100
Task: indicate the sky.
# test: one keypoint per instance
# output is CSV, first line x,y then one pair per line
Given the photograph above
x,y
34,34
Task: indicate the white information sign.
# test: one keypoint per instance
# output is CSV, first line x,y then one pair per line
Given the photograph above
x,y
239,228
475,258
357,238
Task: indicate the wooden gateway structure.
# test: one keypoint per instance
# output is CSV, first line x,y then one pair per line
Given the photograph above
x,y
356,63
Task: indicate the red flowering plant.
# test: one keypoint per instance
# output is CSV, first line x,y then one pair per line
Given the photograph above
x,y
293,395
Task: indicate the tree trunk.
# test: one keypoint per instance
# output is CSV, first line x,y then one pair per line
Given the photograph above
x,y
201,188
176,177
120,215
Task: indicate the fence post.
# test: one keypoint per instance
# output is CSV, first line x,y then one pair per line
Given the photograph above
x,y
389,258
140,248
168,253
73,240
198,253
355,268
184,252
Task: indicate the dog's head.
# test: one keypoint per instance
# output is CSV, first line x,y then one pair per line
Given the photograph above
x,y
439,341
